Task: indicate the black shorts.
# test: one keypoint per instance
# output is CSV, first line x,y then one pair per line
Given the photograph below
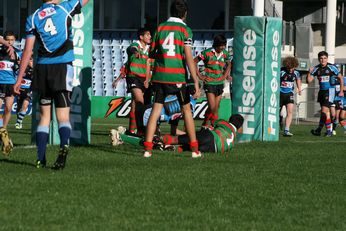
x,y
160,91
206,142
215,89
135,82
323,98
51,78
286,98
25,94
6,90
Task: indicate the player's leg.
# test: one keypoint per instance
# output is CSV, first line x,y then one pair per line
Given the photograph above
x,y
21,112
62,108
151,128
323,99
159,99
8,109
328,123
137,97
190,130
288,121
42,132
216,109
343,119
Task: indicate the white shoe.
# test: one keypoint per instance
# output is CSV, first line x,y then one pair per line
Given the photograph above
x,y
334,133
115,137
147,154
287,133
18,126
196,154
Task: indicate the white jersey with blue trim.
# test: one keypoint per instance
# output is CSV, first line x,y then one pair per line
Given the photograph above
x,y
51,25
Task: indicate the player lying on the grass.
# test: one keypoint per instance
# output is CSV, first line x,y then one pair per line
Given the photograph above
x,y
218,140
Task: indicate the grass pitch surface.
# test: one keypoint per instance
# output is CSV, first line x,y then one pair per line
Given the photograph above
x,y
298,183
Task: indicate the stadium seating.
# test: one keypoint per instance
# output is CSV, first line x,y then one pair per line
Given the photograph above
x,y
109,55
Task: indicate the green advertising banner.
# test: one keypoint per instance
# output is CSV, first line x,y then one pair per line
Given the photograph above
x,y
272,79
80,115
119,107
248,74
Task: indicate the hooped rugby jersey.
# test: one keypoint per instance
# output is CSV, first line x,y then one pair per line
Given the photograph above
x,y
51,25
167,49
287,80
214,65
324,74
224,135
137,66
8,67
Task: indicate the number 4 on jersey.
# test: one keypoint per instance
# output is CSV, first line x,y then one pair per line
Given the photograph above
x,y
168,44
49,27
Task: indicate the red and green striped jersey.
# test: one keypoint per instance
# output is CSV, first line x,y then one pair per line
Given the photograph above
x,y
214,65
136,67
224,135
167,49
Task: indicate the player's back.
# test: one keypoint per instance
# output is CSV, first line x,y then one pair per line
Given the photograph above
x,y
51,24
168,51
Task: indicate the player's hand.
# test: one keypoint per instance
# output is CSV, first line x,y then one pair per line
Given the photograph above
x,y
10,52
16,88
202,77
341,94
197,92
299,92
176,116
146,84
115,83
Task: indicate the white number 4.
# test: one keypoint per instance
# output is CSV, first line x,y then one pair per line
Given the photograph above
x,y
49,27
168,44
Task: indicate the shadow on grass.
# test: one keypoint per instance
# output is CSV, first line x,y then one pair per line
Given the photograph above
x,y
8,161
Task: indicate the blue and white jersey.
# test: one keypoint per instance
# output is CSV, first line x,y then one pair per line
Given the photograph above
x,y
170,111
51,25
27,78
287,80
8,68
324,74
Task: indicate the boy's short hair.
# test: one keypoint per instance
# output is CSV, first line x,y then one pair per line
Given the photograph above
x,y
178,8
322,53
141,31
219,40
10,33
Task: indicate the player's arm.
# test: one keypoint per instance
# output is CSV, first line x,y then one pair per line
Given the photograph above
x,y
227,71
341,78
147,73
84,2
29,45
9,48
192,67
309,77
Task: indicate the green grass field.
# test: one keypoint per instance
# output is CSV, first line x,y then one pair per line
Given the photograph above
x,y
298,183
